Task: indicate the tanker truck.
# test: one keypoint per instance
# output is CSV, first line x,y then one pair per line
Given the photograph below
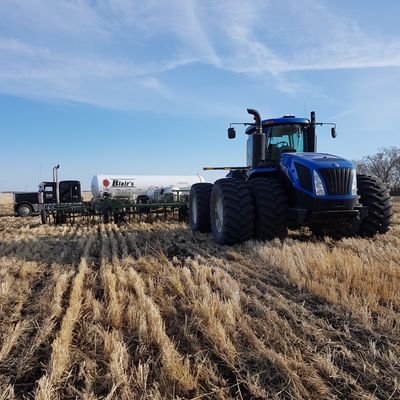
x,y
143,188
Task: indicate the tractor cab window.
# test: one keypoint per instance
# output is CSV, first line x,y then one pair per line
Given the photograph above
x,y
284,139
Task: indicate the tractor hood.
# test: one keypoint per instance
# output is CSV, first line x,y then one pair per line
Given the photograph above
x,y
314,160
319,175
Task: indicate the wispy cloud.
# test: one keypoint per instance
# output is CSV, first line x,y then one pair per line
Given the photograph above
x,y
115,53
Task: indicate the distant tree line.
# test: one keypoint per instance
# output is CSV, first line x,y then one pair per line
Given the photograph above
x,y
385,164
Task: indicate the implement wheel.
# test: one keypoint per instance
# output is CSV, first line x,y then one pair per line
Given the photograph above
x,y
60,218
183,213
106,216
271,208
199,207
43,216
231,211
375,195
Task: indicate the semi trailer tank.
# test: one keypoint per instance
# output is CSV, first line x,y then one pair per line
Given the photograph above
x,y
140,186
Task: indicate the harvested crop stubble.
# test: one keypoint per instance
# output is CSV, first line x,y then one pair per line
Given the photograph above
x,y
149,311
6,204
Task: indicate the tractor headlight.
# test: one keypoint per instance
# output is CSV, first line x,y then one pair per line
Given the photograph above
x,y
318,185
354,182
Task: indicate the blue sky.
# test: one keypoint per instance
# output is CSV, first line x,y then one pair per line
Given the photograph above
x,y
149,87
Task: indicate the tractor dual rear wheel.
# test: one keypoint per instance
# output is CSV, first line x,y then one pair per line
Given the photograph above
x,y
271,208
199,207
231,211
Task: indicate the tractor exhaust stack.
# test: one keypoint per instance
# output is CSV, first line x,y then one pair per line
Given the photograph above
x,y
258,145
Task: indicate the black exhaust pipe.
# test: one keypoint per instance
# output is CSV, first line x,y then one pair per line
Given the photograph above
x,y
257,119
258,139
312,142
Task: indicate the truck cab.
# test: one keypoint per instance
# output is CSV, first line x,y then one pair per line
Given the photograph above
x,y
28,203
47,191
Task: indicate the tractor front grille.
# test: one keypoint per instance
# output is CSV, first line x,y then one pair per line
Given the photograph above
x,y
337,180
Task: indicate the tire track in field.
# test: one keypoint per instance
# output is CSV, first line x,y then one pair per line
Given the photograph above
x,y
61,354
38,345
144,316
101,355
40,312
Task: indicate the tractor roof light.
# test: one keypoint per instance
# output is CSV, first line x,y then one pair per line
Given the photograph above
x,y
318,185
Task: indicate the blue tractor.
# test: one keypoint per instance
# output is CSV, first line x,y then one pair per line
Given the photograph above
x,y
287,184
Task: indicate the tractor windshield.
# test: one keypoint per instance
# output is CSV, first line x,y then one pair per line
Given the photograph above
x,y
287,138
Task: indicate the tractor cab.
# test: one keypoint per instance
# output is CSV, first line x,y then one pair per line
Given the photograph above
x,y
282,135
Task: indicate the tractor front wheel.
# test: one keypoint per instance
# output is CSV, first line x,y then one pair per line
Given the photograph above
x,y
231,211
375,195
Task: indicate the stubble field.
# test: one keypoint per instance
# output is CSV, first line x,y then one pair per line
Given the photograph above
x,y
150,311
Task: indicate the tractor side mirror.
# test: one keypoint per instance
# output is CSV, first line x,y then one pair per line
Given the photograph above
x,y
333,132
231,133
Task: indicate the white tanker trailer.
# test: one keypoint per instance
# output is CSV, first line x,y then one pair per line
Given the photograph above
x,y
142,187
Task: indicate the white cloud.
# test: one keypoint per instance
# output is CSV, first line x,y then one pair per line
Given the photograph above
x,y
113,53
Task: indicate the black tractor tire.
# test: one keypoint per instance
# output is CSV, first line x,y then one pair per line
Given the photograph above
x,y
199,207
375,195
24,210
271,208
231,211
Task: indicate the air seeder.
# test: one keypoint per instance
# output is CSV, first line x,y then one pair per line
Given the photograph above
x,y
117,198
287,184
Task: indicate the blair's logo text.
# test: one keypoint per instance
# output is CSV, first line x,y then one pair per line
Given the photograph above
x,y
123,183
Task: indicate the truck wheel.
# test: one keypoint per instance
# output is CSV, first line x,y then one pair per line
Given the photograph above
x,y
199,207
271,208
24,210
375,195
231,211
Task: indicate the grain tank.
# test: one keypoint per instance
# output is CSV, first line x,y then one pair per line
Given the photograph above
x,y
132,186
